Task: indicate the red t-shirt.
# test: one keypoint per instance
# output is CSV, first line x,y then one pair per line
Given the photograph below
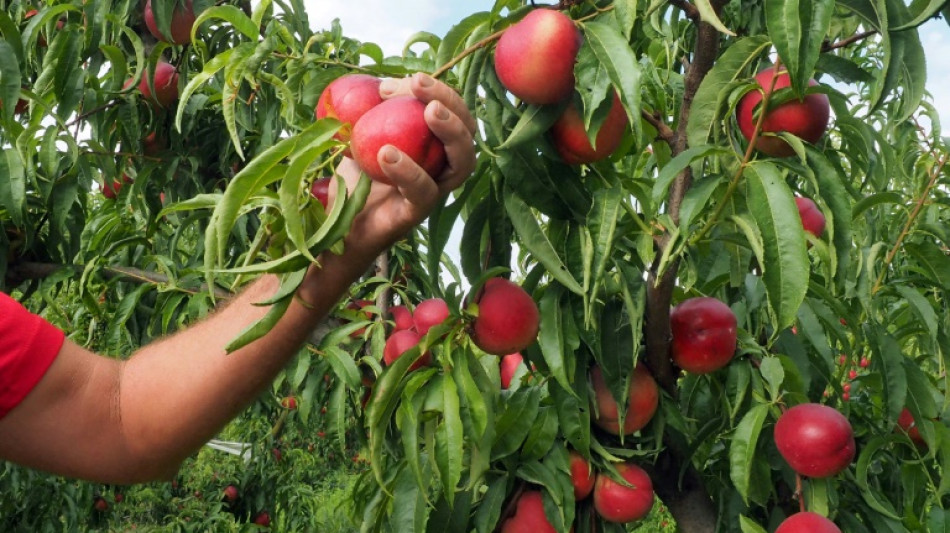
x,y
28,345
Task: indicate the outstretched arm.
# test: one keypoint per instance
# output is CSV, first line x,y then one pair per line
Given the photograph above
x,y
130,421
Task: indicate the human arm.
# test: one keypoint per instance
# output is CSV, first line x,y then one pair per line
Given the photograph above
x,y
128,421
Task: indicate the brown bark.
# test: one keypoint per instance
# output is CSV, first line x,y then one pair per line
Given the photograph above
x,y
686,496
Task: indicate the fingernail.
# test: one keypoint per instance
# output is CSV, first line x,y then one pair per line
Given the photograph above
x,y
388,86
390,154
441,112
425,80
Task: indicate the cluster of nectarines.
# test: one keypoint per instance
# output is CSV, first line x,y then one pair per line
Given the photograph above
x,y
507,322
613,501
369,123
534,60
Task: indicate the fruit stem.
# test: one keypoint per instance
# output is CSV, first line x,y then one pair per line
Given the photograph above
x,y
746,159
799,493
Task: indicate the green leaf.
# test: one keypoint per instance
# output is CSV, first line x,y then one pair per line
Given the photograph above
x,y
13,186
233,16
602,221
742,449
931,262
888,363
458,35
774,374
670,170
261,327
926,12
708,14
550,337
291,187
786,270
410,511
871,496
535,241
9,79
748,526
211,68
534,122
613,51
449,440
704,114
798,29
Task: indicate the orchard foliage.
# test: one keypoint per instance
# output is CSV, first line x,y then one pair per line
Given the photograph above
x,y
682,208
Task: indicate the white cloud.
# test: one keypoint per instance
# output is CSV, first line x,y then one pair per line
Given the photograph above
x,y
384,22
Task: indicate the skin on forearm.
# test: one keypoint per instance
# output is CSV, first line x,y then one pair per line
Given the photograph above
x,y
167,431
115,421
132,421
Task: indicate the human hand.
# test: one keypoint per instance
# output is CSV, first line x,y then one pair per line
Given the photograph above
x,y
392,210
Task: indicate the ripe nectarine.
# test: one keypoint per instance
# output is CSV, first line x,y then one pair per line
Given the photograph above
x,y
529,515
428,313
508,319
399,122
534,58
346,99
571,140
399,343
816,440
643,399
807,118
619,504
183,18
704,335
807,522
583,476
508,367
813,221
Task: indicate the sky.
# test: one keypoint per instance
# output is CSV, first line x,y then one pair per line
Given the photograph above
x,y
389,23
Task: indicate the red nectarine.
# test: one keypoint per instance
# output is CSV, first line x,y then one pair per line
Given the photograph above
x,y
183,18
429,313
807,522
643,399
813,220
619,504
508,367
508,319
816,440
399,343
529,515
583,476
807,118
321,190
346,99
399,122
534,58
571,140
704,335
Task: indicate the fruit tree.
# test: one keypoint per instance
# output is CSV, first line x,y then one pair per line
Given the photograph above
x,y
698,216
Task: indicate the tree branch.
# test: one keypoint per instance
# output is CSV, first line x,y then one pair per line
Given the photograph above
x,y
689,9
26,270
827,47
663,131
686,496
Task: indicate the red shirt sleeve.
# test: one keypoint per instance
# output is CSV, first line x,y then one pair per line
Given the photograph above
x,y
28,345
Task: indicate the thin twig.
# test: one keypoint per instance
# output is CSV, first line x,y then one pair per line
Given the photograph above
x,y
935,173
747,157
827,47
664,132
